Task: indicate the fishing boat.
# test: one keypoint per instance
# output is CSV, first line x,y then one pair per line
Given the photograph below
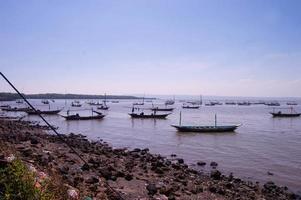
x,y
78,117
162,109
190,106
139,104
104,105
170,101
274,103
292,103
19,101
92,103
244,103
15,109
45,101
45,112
76,104
206,128
230,103
292,113
114,101
149,116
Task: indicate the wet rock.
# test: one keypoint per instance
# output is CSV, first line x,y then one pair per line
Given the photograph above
x,y
215,174
213,164
34,140
201,163
180,160
92,180
106,173
64,170
128,177
27,152
151,188
85,167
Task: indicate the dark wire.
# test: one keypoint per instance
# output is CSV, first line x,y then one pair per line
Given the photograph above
x,y
58,134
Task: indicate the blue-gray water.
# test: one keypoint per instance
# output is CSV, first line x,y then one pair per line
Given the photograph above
x,y
261,144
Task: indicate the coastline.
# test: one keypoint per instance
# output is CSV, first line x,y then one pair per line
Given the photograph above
x,y
135,174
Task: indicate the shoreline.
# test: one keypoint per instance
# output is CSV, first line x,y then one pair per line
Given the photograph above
x,y
135,174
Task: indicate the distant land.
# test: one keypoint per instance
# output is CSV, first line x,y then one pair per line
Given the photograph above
x,y
6,96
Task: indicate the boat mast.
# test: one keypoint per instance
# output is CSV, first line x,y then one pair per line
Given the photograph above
x,y
215,120
180,122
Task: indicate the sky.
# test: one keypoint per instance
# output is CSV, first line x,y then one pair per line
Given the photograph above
x,y
208,47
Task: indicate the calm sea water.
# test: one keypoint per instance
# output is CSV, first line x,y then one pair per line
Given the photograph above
x,y
261,144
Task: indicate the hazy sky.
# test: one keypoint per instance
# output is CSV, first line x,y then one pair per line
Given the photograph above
x,y
209,47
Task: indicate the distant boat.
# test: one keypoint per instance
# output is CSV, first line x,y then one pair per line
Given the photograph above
x,y
162,109
19,101
190,106
139,104
46,112
91,103
15,109
292,113
244,103
104,105
272,103
45,101
76,104
149,116
292,103
170,101
230,103
206,129
152,115
78,117
115,101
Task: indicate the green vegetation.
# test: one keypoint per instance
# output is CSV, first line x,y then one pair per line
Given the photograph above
x,y
17,182
5,96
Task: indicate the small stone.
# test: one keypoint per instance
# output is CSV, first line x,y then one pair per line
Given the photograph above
x,y
201,163
215,174
85,167
213,164
151,188
180,160
128,177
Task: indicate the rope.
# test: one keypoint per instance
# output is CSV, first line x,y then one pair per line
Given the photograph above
x,y
58,134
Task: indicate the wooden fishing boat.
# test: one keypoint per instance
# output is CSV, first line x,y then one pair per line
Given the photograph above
x,y
76,104
115,101
15,109
190,106
292,103
149,116
292,113
45,112
45,101
205,128
78,117
103,107
162,109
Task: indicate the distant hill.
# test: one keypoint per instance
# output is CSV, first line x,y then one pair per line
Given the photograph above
x,y
5,96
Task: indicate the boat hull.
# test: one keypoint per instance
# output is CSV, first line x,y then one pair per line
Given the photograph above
x,y
152,116
48,112
162,109
206,129
286,114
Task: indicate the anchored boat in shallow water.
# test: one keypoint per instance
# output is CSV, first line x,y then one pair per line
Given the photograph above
x,y
76,116
205,128
292,113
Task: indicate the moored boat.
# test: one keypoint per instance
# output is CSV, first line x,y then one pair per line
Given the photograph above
x,y
190,106
292,113
149,116
205,128
162,109
78,117
45,112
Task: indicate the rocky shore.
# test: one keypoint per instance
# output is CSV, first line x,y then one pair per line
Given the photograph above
x,y
134,174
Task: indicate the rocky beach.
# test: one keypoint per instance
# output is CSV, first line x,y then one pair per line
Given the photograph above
x,y
129,173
